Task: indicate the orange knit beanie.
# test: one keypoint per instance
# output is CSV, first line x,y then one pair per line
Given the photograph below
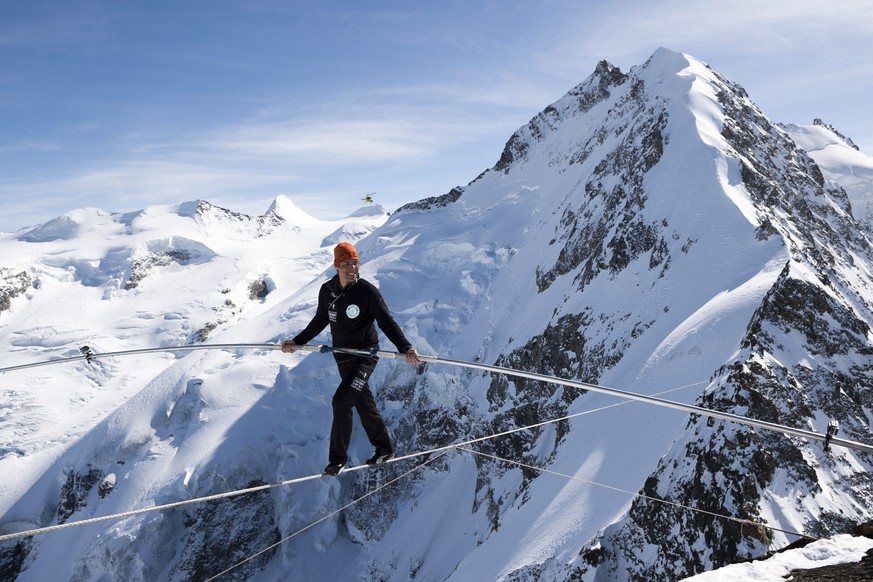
x,y
343,252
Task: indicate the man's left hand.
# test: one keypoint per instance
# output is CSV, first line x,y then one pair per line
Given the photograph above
x,y
412,357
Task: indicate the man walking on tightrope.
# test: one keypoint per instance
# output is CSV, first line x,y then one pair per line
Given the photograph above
x,y
350,305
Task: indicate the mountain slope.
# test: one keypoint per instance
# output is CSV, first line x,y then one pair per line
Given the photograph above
x,y
804,360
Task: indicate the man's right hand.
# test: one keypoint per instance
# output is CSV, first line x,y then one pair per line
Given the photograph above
x,y
289,346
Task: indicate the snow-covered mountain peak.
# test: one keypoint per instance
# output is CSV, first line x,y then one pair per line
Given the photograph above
x,y
358,224
369,210
665,64
68,225
610,101
285,208
847,140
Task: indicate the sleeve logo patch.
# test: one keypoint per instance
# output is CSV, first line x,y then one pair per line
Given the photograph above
x,y
352,311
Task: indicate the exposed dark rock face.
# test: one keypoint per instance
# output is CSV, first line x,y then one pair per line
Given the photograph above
x,y
853,572
143,265
12,285
594,90
202,334
562,351
608,230
604,229
258,289
74,496
434,201
224,532
75,491
12,557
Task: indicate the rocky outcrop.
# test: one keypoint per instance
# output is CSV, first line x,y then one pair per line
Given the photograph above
x,y
12,285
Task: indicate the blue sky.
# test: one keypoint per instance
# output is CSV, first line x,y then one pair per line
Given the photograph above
x,y
123,105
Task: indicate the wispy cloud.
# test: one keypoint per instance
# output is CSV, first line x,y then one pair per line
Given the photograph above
x,y
337,136
325,142
30,146
742,26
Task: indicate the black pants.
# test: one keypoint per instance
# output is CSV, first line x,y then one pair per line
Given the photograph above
x,y
354,392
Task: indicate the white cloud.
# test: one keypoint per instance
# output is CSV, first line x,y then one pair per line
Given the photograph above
x,y
30,146
322,142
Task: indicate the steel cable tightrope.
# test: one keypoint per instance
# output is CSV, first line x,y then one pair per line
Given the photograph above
x,y
88,355
258,488
463,447
445,450
142,510
828,438
441,450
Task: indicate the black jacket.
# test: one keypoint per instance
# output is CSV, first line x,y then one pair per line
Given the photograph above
x,y
351,313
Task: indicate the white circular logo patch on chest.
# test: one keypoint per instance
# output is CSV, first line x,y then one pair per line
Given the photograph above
x,y
352,311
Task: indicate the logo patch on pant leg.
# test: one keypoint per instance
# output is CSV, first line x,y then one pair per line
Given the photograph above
x,y
360,381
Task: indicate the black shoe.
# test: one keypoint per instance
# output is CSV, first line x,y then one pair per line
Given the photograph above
x,y
333,469
380,458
